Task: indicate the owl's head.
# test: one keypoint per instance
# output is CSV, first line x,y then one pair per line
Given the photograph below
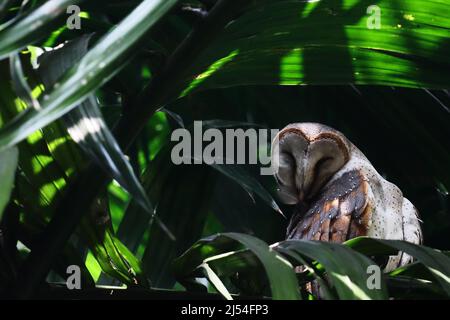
x,y
304,157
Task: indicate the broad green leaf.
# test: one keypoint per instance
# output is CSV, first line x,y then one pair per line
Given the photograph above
x,y
369,247
281,276
329,42
114,258
8,165
44,175
31,27
411,288
413,270
88,128
229,263
437,262
299,259
50,147
243,269
346,268
96,68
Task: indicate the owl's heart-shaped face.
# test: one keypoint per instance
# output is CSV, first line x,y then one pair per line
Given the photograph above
x,y
304,157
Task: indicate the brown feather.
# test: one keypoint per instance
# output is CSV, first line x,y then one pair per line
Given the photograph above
x,y
339,213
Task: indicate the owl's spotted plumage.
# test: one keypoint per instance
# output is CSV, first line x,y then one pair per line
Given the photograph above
x,y
338,193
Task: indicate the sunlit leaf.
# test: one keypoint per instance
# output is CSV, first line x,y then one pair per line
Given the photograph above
x,y
329,42
279,271
31,27
88,128
96,68
346,268
438,263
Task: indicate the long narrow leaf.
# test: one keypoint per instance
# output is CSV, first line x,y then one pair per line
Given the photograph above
x,y
29,29
248,183
96,67
279,271
19,82
215,280
438,263
88,128
281,276
346,268
8,165
330,42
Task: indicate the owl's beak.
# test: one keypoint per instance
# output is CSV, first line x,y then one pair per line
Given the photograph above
x,y
302,180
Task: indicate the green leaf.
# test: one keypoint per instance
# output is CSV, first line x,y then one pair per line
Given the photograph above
x,y
204,248
215,280
279,271
115,259
249,183
437,262
369,247
290,43
88,128
413,270
96,68
8,165
32,26
113,256
310,268
281,276
44,173
182,197
346,268
414,289
19,82
237,173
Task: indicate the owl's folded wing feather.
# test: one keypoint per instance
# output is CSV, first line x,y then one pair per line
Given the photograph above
x,y
339,213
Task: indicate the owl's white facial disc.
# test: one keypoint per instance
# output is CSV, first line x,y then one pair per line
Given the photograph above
x,y
304,157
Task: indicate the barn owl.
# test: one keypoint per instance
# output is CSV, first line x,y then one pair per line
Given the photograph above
x,y
337,192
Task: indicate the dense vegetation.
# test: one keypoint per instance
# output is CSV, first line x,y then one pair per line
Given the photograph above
x,y
86,176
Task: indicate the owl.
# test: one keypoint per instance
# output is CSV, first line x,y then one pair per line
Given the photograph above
x,y
337,193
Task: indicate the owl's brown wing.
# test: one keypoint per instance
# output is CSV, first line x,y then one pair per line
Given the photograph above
x,y
340,212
